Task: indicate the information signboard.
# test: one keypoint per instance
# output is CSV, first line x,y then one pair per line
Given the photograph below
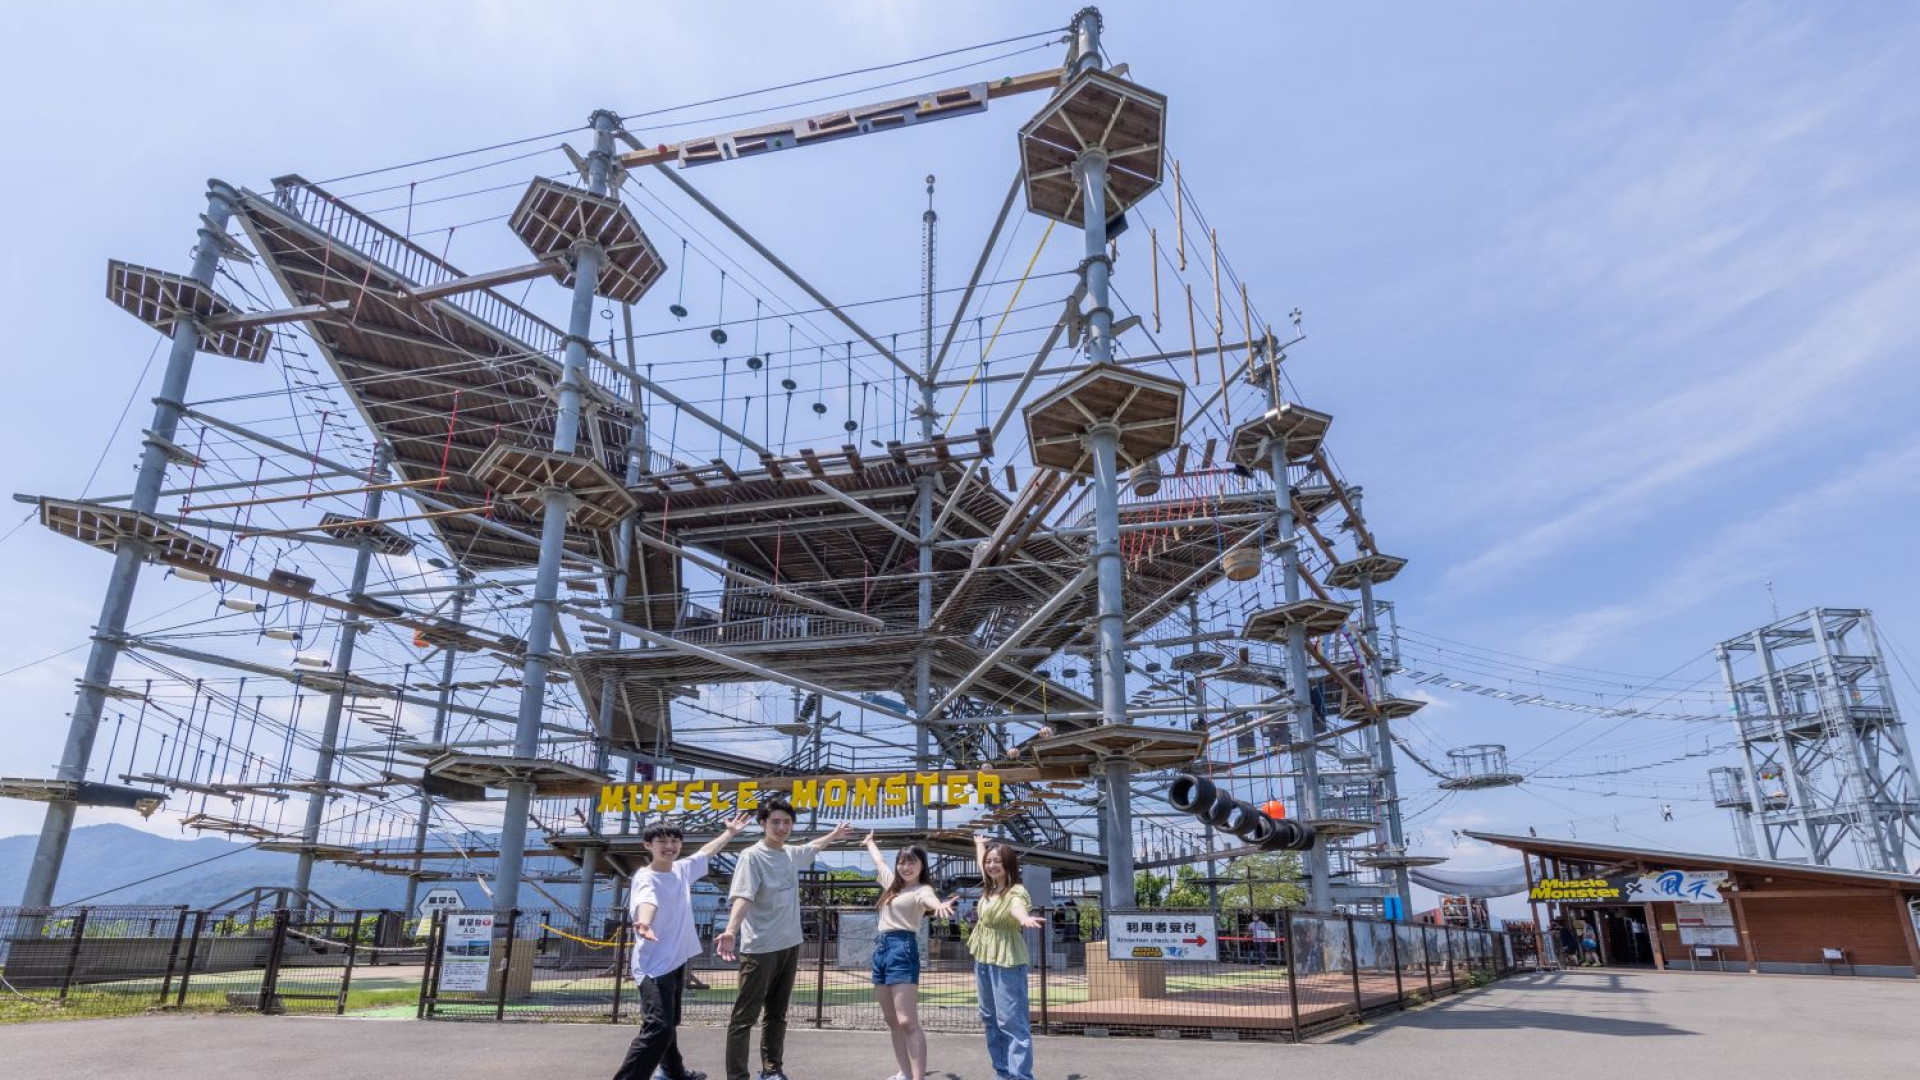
x,y
467,952
440,898
1147,935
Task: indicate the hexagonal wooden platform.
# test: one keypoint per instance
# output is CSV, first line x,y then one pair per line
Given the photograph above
x,y
1317,616
553,217
1146,409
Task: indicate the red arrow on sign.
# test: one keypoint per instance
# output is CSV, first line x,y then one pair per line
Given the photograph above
x,y
1193,941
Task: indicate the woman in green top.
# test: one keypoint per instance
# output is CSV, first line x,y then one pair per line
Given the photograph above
x,y
1000,959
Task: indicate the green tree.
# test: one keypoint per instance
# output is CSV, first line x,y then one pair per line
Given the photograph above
x,y
1273,881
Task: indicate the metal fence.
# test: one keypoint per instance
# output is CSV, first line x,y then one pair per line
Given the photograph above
x,y
1293,974
1313,972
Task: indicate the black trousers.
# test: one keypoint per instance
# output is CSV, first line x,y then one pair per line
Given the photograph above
x,y
657,1046
766,982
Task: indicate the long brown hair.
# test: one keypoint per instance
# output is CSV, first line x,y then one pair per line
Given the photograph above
x,y
1009,865
893,887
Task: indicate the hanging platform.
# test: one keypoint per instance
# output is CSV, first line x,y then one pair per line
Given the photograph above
x,y
1375,568
1317,616
1146,409
1197,661
522,475
1299,428
553,217
1253,673
1390,860
1144,748
1097,110
161,300
497,771
107,527
385,539
83,792
228,826
1395,708
1333,827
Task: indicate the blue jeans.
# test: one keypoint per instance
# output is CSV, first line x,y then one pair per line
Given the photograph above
x,y
1003,1011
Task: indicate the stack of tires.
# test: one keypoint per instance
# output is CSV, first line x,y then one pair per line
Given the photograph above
x,y
1198,796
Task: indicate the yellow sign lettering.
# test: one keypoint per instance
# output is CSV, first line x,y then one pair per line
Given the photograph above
x,y
866,791
806,794
834,793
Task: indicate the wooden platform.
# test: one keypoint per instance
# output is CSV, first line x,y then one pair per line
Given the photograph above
x,y
553,217
1375,568
1299,428
522,475
161,300
1146,409
107,527
1096,110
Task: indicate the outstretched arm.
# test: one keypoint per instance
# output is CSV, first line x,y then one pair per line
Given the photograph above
x,y
1022,915
734,827
643,920
724,942
840,832
980,849
879,860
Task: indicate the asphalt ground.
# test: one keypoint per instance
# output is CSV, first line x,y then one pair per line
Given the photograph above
x,y
1576,1024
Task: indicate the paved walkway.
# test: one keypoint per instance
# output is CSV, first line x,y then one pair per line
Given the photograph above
x,y
1567,1026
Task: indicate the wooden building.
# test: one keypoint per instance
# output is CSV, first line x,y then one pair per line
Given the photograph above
x,y
1668,909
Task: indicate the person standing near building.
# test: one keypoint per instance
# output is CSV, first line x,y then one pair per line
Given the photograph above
x,y
905,899
764,925
664,941
1263,939
1000,959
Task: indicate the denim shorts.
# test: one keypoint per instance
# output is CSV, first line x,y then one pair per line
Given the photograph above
x,y
896,958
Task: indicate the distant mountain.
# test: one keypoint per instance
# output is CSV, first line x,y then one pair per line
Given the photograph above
x,y
103,857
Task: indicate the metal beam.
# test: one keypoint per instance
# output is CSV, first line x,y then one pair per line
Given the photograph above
x,y
862,509
662,641
1041,616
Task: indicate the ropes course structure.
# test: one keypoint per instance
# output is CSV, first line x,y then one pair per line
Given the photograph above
x,y
447,551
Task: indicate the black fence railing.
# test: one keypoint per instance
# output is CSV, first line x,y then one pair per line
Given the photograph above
x,y
1278,974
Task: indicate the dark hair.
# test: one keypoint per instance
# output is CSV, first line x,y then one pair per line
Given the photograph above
x,y
893,887
660,830
776,803
1009,864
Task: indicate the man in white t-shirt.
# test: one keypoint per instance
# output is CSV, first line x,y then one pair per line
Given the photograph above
x,y
1263,940
664,939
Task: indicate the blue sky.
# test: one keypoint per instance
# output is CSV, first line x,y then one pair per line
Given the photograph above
x,y
1613,304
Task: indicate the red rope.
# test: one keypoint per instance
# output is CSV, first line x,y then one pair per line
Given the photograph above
x,y
446,452
319,441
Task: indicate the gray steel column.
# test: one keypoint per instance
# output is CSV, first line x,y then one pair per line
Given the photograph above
x,y
923,509
318,798
1090,172
1307,786
1755,821
609,686
1110,650
85,722
461,580
1390,789
553,531
1789,761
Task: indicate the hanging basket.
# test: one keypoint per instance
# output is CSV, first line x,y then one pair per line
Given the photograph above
x,y
1145,479
1242,564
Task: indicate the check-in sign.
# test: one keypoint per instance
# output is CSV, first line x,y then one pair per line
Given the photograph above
x,y
1157,936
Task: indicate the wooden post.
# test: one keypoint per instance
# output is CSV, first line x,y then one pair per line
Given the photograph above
x,y
73,952
1653,938
173,954
1293,985
1539,935
1740,924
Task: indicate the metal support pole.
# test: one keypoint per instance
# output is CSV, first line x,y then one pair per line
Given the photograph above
x,y
1389,788
424,821
112,625
1112,657
1307,787
553,533
336,704
923,512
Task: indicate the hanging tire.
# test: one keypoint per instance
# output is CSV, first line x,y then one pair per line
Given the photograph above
x,y
1191,794
1289,836
1220,812
1257,831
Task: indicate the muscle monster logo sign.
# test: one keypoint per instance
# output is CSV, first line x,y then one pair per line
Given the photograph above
x,y
829,792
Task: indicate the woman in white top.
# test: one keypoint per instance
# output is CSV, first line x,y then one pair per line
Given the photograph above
x,y
905,899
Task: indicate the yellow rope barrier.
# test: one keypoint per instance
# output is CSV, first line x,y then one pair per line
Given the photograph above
x,y
584,941
982,362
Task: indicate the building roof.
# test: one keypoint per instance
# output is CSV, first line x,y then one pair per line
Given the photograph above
x,y
1686,860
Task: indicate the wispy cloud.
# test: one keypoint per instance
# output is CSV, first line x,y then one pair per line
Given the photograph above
x,y
1744,265
1740,555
